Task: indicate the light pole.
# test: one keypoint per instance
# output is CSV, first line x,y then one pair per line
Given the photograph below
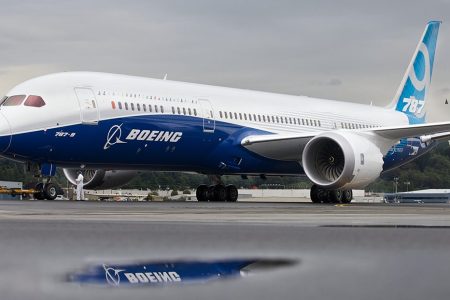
x,y
396,184
407,183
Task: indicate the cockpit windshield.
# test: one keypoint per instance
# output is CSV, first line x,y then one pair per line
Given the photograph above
x,y
14,100
32,100
35,101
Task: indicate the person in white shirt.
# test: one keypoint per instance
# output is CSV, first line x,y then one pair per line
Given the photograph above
x,y
79,181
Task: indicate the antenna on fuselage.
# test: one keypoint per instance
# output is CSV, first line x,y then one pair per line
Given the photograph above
x,y
165,77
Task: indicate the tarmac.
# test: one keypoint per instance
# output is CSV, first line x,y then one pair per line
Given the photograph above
x,y
355,251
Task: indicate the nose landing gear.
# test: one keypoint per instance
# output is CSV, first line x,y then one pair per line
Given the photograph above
x,y
46,190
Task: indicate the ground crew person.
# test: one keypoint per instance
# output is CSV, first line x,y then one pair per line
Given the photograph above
x,y
79,181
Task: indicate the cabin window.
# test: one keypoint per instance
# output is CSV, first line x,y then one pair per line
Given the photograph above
x,y
226,114
156,108
173,110
195,112
235,116
14,100
132,106
250,117
220,114
113,105
138,106
119,104
240,116
184,111
162,109
144,107
149,108
245,116
126,105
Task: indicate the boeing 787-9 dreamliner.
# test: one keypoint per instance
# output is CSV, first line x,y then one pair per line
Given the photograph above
x,y
110,126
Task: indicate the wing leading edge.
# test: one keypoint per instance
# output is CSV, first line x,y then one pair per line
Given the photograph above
x,y
290,146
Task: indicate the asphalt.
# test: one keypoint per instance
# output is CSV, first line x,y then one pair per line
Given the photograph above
x,y
357,251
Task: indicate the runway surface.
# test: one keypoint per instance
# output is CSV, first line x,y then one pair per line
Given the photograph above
x,y
357,251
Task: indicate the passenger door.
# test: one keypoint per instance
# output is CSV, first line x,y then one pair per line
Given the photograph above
x,y
209,124
88,106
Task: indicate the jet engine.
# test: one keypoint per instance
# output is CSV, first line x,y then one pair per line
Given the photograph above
x,y
342,160
100,179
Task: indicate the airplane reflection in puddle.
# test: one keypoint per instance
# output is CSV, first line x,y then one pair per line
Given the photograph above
x,y
174,272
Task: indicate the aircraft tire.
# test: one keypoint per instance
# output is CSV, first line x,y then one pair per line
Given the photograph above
x,y
232,193
202,193
220,193
313,194
50,191
39,195
347,196
336,196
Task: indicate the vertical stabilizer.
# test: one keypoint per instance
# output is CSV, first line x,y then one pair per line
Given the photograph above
x,y
412,92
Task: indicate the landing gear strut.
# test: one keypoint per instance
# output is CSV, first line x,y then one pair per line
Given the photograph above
x,y
321,195
217,193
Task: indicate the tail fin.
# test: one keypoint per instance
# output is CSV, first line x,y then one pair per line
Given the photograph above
x,y
412,92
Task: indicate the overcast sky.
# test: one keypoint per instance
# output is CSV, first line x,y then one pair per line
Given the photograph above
x,y
346,50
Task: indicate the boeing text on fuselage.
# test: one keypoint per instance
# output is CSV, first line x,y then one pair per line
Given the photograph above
x,y
115,134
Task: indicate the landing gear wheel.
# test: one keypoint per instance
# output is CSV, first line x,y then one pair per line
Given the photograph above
x,y
202,193
39,195
50,191
323,195
232,193
336,196
319,195
219,193
347,196
313,194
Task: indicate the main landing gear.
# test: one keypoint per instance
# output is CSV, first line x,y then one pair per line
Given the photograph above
x,y
217,193
321,195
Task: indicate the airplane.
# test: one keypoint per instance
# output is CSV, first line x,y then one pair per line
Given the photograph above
x,y
111,126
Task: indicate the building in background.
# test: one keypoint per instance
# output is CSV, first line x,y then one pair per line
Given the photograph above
x,y
421,196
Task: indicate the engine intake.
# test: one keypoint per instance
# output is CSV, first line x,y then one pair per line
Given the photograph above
x,y
341,160
100,179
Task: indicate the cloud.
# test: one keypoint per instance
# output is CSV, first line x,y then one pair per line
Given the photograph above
x,y
330,82
279,46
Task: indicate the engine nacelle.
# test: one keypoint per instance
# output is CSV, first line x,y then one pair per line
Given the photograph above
x,y
100,179
342,160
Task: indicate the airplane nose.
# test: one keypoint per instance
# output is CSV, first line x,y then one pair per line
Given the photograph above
x,y
5,133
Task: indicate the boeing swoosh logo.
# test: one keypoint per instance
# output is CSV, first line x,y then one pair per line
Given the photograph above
x,y
112,275
114,135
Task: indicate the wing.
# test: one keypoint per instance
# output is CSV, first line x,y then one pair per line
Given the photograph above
x,y
290,146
